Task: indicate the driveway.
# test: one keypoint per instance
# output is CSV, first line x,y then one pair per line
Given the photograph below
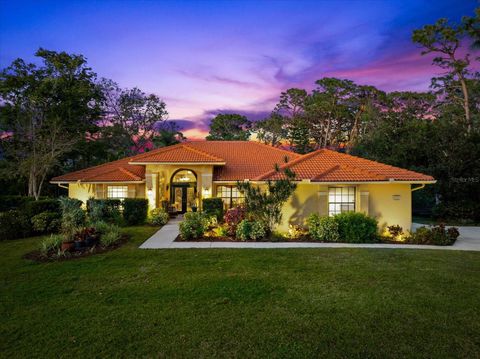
x,y
469,240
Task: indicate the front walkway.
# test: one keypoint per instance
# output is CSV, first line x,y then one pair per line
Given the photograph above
x,y
469,240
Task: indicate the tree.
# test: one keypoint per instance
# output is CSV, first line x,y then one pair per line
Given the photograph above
x,y
229,127
132,118
271,130
168,135
265,204
292,102
45,111
445,40
299,135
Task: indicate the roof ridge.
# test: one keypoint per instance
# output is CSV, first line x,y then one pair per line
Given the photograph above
x,y
327,171
274,148
203,152
156,150
288,164
376,162
124,170
103,173
96,166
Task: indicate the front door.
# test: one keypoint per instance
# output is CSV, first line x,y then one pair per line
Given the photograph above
x,y
180,198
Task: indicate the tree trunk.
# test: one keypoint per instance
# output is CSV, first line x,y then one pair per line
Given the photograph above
x,y
466,103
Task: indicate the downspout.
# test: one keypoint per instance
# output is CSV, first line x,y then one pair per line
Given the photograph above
x,y
62,186
419,187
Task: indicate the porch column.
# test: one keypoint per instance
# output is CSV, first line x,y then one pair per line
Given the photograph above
x,y
151,186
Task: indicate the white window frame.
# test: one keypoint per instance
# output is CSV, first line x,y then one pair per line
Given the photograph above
x,y
229,195
117,192
341,199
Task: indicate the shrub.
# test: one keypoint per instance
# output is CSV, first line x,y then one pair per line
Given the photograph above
x,y
395,231
213,207
220,231
323,229
14,224
265,204
158,217
250,230
354,227
33,208
233,217
8,203
193,226
436,235
101,227
54,242
104,210
72,216
46,222
111,236
135,210
422,235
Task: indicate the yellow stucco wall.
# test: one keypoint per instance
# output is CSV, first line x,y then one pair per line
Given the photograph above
x,y
388,203
81,191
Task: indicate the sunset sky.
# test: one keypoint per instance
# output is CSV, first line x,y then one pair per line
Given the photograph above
x,y
207,57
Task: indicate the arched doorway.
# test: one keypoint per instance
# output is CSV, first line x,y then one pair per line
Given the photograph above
x,y
183,189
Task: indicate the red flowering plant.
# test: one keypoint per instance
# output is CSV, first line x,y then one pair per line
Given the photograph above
x,y
233,217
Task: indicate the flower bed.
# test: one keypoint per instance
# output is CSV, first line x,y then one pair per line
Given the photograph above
x,y
347,227
55,255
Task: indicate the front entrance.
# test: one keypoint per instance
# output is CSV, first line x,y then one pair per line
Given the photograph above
x,y
183,190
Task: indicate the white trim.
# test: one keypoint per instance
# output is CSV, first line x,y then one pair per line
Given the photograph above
x,y
88,182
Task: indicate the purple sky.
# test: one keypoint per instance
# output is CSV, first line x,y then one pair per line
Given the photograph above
x,y
207,57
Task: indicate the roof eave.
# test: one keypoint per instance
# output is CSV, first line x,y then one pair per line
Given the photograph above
x,y
179,163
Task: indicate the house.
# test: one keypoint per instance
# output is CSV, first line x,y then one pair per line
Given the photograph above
x,y
329,182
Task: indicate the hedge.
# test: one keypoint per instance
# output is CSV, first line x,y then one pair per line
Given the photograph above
x,y
213,207
355,227
107,210
14,224
34,208
8,203
135,210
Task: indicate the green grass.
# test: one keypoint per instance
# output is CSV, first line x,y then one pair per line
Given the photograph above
x,y
240,303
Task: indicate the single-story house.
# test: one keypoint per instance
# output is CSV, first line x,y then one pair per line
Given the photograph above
x,y
329,182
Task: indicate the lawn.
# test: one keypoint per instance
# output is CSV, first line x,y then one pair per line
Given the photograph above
x,y
240,303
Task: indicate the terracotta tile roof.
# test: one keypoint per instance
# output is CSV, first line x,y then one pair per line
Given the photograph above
x,y
182,152
243,160
331,166
240,160
116,171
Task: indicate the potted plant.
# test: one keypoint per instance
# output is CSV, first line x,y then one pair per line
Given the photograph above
x,y
67,246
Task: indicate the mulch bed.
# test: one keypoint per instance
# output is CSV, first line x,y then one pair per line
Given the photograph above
x,y
52,256
233,239
269,240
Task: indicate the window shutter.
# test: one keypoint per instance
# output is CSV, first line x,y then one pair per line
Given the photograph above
x,y
148,181
132,191
364,202
323,203
99,192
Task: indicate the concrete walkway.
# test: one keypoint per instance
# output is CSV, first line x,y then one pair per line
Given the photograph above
x,y
165,236
469,240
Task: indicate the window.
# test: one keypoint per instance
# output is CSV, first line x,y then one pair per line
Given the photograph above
x,y
341,199
117,192
230,195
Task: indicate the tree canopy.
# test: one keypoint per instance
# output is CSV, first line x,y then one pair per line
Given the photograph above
x,y
229,127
